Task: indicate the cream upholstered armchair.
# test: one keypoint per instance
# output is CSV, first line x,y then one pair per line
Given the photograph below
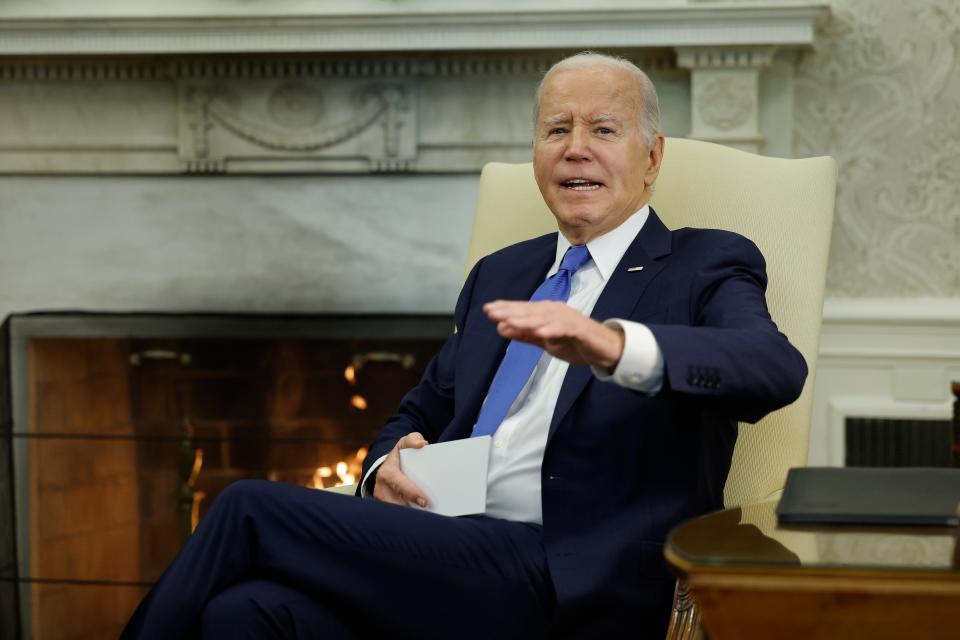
x,y
784,206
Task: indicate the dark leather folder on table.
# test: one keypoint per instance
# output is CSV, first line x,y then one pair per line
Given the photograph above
x,y
871,496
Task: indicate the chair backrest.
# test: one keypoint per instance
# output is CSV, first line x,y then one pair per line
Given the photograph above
x,y
784,206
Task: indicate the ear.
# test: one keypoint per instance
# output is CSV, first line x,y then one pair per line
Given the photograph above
x,y
654,158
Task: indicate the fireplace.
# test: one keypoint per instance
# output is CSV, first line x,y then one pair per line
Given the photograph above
x,y
277,159
128,426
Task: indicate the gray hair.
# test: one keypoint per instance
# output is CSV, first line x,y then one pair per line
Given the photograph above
x,y
649,116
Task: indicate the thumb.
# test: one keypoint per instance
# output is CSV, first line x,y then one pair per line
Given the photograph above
x,y
413,440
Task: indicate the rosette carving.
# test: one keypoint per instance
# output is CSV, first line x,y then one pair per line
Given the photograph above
x,y
726,102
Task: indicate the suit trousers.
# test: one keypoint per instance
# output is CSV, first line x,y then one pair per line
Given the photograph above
x,y
271,560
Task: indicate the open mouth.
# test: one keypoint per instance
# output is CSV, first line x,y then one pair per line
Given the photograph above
x,y
581,184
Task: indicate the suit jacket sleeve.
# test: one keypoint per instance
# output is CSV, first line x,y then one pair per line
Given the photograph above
x,y
429,407
731,356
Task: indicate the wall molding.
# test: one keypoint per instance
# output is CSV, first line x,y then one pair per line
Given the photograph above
x,y
724,57
608,24
922,311
299,66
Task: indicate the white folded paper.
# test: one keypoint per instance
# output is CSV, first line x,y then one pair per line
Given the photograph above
x,y
452,475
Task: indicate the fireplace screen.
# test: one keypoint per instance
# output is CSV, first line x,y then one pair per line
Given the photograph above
x,y
130,427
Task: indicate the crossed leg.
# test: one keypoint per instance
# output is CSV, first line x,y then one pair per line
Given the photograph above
x,y
358,566
266,610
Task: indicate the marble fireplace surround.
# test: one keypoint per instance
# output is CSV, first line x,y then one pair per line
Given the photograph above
x,y
293,156
194,156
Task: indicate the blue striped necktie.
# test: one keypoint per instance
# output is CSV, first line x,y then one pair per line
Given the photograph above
x,y
521,358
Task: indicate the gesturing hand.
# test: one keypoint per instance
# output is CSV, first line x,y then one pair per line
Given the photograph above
x,y
559,330
392,485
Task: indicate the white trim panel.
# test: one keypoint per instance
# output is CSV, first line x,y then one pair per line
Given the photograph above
x,y
882,358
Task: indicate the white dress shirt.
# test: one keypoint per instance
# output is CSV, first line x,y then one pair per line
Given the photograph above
x,y
513,478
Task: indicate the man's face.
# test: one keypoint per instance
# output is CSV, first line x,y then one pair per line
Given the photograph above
x,y
589,157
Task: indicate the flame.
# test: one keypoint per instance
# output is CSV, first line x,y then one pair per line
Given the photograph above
x,y
350,373
344,472
359,402
344,475
317,481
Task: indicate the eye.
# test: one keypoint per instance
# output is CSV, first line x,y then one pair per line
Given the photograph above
x,y
604,131
557,131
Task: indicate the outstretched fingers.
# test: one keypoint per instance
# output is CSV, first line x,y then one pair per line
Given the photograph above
x,y
533,322
559,329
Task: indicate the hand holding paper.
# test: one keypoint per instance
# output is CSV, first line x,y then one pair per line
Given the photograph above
x,y
452,475
392,485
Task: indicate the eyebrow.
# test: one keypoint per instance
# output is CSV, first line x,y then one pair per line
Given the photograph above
x,y
604,117
597,119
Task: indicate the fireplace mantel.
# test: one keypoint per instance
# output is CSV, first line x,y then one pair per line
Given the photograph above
x,y
412,87
232,27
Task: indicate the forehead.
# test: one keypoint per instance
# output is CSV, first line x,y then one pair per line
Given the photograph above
x,y
588,91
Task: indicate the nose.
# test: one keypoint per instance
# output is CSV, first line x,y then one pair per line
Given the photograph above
x,y
578,145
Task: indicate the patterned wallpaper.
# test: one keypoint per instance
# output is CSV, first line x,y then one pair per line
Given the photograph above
x,y
881,93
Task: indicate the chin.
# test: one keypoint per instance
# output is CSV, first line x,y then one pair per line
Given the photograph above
x,y
580,217
576,221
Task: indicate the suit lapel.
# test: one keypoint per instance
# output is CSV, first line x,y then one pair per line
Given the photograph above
x,y
516,280
619,298
521,278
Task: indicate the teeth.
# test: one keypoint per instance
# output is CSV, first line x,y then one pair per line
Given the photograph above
x,y
579,184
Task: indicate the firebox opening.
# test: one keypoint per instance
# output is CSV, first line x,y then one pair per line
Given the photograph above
x,y
126,427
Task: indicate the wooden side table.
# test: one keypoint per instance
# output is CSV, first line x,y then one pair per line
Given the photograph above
x,y
752,578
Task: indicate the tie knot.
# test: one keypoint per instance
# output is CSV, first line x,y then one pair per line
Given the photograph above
x,y
574,258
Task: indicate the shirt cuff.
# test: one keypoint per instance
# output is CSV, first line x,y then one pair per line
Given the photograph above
x,y
364,487
641,365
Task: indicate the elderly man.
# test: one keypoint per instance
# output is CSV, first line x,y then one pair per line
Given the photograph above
x,y
610,362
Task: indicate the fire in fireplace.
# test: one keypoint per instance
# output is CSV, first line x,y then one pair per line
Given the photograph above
x,y
125,428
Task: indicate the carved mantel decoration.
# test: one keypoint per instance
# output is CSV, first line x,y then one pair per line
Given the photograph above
x,y
282,123
298,87
725,85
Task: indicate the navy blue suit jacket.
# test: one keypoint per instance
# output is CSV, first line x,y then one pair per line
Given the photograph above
x,y
621,468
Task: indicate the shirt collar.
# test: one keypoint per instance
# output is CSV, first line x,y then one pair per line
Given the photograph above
x,y
607,250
